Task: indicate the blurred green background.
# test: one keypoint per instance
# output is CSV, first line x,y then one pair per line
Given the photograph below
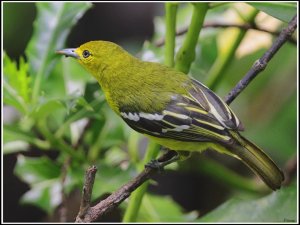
x,y
70,124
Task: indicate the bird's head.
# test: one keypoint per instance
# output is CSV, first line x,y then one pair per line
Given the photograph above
x,y
95,56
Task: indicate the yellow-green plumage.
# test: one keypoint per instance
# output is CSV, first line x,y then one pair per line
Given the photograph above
x,y
173,109
122,77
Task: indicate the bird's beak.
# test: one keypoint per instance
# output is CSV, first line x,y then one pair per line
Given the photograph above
x,y
68,52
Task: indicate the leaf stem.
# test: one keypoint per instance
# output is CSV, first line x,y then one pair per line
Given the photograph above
x,y
57,142
227,52
186,54
137,196
133,145
171,11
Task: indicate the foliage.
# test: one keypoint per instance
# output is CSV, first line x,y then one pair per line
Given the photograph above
x,y
43,176
77,124
282,10
276,207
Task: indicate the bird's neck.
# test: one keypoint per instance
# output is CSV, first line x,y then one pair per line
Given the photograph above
x,y
119,79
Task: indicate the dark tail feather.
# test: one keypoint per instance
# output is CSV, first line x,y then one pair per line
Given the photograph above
x,y
257,161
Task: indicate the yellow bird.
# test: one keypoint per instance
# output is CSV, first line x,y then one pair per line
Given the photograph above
x,y
176,111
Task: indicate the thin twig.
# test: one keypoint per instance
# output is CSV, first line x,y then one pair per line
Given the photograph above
x,y
246,26
90,214
86,193
261,64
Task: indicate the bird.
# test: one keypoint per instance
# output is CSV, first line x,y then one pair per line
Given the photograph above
x,y
171,108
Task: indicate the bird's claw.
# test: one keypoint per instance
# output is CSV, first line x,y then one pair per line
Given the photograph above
x,y
155,164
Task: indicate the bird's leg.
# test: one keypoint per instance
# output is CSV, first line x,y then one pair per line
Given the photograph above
x,y
167,158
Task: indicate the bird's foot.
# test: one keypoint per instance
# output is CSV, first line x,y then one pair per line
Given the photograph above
x,y
155,164
159,164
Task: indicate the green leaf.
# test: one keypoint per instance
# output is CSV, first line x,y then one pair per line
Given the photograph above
x,y
11,97
34,170
162,209
15,146
51,28
280,10
279,206
47,107
69,106
16,83
56,84
14,134
17,77
43,176
44,195
78,108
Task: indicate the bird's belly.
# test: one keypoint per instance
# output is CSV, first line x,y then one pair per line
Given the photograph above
x,y
187,146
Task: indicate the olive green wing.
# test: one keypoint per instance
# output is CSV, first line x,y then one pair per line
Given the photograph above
x,y
197,116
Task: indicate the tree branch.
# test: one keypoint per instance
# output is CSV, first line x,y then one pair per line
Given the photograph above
x,y
90,214
245,26
93,213
262,63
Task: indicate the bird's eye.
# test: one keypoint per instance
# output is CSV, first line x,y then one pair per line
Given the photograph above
x,y
86,53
